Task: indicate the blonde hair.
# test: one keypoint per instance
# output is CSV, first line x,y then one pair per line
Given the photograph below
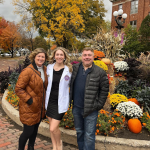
x,y
67,58
37,51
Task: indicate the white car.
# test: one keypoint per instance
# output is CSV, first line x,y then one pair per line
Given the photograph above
x,y
17,54
7,54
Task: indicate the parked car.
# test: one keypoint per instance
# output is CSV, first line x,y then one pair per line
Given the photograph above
x,y
7,54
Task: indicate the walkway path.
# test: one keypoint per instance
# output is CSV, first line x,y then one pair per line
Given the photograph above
x,y
9,62
10,131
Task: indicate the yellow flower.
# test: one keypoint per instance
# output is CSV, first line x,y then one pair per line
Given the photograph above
x,y
115,99
101,64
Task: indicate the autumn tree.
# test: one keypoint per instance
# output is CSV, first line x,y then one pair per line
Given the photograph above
x,y
25,41
64,20
40,42
3,25
106,26
29,29
93,17
10,37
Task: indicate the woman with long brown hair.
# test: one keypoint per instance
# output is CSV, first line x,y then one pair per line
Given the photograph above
x,y
57,94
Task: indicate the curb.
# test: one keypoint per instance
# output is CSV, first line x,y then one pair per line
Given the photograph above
x,y
69,136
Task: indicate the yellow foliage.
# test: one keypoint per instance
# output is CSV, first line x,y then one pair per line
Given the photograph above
x,y
58,18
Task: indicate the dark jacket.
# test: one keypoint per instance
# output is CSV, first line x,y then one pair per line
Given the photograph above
x,y
30,87
96,88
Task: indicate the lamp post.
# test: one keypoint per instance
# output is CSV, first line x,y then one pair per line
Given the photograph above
x,y
118,18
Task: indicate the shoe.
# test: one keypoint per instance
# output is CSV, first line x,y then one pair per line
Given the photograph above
x,y
30,147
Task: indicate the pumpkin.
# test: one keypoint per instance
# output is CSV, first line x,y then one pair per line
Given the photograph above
x,y
135,125
80,58
106,61
134,100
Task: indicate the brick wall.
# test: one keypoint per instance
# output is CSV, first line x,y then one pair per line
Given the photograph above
x,y
143,11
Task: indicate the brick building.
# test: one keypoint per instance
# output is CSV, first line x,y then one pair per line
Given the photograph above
x,y
136,10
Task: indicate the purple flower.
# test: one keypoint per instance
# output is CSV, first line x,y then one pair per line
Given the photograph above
x,y
115,34
122,36
74,62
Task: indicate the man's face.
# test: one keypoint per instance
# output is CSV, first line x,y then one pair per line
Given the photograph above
x,y
87,58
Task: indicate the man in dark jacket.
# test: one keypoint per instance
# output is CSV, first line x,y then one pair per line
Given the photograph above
x,y
89,88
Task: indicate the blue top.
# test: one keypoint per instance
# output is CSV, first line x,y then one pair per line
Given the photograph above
x,y
79,86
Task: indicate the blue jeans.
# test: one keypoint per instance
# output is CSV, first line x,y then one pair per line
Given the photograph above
x,y
85,128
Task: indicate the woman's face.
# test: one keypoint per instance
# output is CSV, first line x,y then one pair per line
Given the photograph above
x,y
59,56
39,59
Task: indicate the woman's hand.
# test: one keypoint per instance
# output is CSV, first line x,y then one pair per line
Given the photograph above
x,y
30,101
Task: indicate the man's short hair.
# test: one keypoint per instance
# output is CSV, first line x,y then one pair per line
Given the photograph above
x,y
88,49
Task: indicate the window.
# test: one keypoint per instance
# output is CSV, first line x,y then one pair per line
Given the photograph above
x,y
133,23
120,7
134,6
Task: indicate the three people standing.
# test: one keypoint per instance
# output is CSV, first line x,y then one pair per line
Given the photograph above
x,y
89,88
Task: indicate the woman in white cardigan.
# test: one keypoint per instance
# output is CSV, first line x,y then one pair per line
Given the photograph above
x,y
57,94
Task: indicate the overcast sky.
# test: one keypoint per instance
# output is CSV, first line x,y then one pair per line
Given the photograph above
x,y
7,11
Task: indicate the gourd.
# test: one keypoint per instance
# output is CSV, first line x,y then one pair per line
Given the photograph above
x,y
106,61
134,125
134,100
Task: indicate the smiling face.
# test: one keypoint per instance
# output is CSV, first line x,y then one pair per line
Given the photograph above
x,y
59,56
87,58
39,59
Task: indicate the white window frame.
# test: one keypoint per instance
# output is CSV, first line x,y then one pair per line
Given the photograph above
x,y
134,6
133,23
119,6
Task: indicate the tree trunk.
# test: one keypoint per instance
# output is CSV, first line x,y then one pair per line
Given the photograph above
x,y
65,43
12,52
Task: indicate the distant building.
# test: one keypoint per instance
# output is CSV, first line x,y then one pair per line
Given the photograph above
x,y
136,10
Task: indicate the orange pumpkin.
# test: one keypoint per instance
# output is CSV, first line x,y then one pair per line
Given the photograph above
x,y
135,125
106,61
134,100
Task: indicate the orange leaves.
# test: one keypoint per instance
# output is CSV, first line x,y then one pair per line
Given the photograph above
x,y
10,36
3,25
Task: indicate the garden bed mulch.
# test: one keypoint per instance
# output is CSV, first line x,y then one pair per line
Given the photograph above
x,y
125,133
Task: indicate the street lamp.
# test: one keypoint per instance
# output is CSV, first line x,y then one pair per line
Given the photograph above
x,y
118,18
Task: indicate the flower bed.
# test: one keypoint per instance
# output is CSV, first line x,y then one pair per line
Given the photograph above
x,y
108,122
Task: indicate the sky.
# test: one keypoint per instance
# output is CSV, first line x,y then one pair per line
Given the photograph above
x,y
7,11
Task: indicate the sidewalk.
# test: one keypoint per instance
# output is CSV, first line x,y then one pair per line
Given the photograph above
x,y
10,132
9,62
